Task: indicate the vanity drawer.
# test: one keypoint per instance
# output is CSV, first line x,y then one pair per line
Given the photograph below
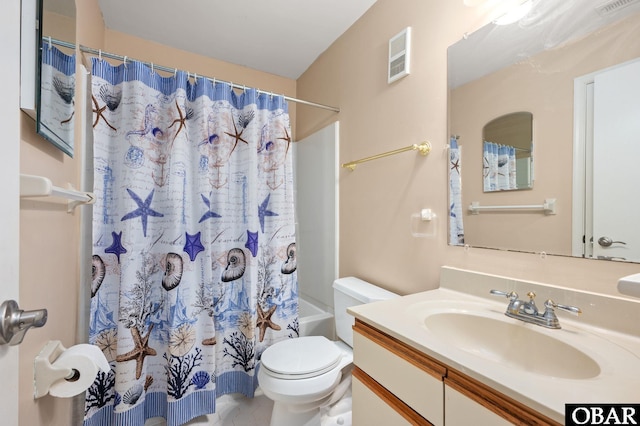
x,y
412,377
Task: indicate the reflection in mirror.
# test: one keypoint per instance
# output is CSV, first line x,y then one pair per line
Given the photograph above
x,y
533,65
607,106
56,89
507,152
56,101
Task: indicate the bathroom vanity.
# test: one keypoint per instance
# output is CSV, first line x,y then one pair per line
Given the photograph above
x,y
451,357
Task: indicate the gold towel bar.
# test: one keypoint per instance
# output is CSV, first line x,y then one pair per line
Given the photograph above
x,y
424,148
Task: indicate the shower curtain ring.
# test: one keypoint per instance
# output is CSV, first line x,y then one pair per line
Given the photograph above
x,y
152,70
124,61
175,73
49,42
100,54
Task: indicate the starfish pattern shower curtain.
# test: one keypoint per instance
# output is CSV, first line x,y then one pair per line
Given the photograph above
x,y
194,261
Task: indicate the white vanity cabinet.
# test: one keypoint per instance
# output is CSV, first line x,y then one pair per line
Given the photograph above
x,y
461,410
395,384
390,375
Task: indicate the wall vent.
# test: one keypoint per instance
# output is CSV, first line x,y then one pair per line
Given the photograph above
x,y
399,55
613,6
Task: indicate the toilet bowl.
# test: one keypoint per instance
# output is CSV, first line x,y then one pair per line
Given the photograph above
x,y
304,375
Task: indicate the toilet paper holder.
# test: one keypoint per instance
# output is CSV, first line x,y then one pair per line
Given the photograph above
x,y
45,374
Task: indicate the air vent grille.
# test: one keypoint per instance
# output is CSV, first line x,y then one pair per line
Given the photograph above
x,y
613,6
399,55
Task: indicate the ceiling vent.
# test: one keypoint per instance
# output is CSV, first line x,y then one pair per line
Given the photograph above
x,y
399,55
613,6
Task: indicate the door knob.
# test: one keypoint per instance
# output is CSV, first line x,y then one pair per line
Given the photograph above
x,y
14,322
606,241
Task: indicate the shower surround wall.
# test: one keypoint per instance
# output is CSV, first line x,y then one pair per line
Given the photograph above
x,y
316,162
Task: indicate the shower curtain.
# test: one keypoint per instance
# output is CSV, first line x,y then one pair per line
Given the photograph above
x,y
194,262
57,93
499,167
456,225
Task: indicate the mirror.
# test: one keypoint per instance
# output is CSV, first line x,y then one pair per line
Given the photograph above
x,y
533,65
55,92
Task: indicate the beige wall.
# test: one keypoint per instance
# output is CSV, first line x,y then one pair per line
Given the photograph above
x,y
377,200
542,85
144,50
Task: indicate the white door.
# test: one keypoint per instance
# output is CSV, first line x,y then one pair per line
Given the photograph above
x,y
9,193
616,163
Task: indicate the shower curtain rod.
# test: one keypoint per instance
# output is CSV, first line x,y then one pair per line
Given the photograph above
x,y
57,42
171,70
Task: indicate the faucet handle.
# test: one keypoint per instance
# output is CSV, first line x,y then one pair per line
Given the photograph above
x,y
550,305
509,295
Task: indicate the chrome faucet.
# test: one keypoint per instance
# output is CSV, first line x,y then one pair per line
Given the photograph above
x,y
527,311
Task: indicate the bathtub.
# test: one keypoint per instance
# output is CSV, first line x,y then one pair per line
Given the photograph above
x,y
314,321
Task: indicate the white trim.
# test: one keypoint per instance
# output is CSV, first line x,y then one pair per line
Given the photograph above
x,y
337,200
580,89
10,122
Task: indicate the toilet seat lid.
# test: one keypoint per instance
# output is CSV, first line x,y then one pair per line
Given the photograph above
x,y
301,357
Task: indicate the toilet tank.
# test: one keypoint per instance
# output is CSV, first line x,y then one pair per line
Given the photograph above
x,y
352,291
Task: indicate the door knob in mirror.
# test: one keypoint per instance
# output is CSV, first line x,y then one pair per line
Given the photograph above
x,y
606,242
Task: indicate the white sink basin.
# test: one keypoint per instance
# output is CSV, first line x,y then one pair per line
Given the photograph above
x,y
484,333
515,345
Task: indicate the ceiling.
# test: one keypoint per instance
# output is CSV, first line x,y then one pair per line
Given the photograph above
x,y
282,37
549,24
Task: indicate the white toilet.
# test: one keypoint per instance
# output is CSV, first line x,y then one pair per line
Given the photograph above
x,y
303,375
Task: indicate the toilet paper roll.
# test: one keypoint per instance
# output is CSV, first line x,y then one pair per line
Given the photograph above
x,y
87,360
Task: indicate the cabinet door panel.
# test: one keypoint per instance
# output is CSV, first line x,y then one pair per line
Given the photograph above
x,y
368,409
415,387
462,411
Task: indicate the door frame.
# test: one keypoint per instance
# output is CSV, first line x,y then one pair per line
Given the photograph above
x,y
10,121
582,155
582,203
